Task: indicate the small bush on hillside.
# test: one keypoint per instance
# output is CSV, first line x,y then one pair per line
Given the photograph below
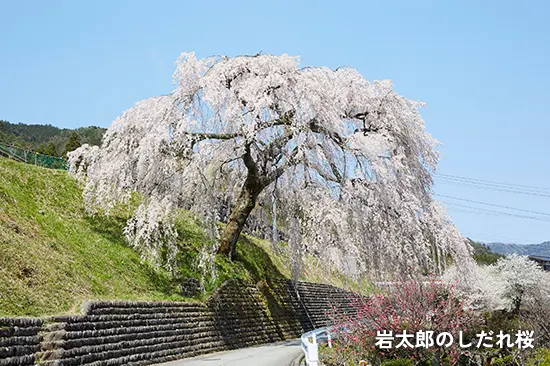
x,y
399,362
540,357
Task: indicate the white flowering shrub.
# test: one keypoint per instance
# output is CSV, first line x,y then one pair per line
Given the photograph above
x,y
347,159
479,286
522,278
508,284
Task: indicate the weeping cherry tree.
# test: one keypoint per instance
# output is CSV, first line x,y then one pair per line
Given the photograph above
x,y
341,164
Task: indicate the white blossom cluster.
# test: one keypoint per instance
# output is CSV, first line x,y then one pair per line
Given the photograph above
x,y
350,162
511,282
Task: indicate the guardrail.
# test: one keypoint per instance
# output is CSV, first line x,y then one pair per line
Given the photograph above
x,y
310,344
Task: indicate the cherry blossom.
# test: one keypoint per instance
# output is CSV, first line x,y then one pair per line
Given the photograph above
x,y
346,161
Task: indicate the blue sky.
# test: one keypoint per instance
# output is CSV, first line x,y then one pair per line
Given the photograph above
x,y
482,67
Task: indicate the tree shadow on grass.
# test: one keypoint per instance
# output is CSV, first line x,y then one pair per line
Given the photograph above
x,y
111,229
256,261
250,261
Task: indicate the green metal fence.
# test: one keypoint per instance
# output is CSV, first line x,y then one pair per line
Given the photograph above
x,y
31,157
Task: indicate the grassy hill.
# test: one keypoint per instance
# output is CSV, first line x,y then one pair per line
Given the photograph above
x,y
53,256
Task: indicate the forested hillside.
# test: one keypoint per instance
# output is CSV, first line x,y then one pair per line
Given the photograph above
x,y
483,254
48,139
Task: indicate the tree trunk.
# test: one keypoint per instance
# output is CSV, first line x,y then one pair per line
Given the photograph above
x,y
232,231
517,302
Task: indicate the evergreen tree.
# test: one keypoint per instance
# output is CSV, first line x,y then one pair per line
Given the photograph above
x,y
73,143
47,149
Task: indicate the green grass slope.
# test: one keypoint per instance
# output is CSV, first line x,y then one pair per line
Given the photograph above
x,y
53,256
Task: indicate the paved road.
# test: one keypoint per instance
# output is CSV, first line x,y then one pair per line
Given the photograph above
x,y
273,354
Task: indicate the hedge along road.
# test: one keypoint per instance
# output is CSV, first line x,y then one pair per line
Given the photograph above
x,y
272,354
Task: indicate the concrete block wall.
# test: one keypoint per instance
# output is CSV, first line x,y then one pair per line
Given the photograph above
x,y
241,317
324,302
141,333
129,333
19,341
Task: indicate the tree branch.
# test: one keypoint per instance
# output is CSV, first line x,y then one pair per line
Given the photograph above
x,y
335,136
213,136
333,166
324,175
251,166
277,172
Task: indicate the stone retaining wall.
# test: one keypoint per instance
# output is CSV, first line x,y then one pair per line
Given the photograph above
x,y
19,340
141,333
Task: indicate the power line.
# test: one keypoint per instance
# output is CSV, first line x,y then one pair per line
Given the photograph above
x,y
453,209
488,237
492,187
498,212
493,205
480,182
498,237
495,213
492,182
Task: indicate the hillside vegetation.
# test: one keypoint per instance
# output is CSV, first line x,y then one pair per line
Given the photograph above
x,y
483,255
46,139
53,256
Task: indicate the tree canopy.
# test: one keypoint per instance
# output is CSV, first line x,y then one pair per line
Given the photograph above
x,y
341,165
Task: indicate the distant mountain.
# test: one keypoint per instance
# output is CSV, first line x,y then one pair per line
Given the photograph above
x,y
46,139
542,249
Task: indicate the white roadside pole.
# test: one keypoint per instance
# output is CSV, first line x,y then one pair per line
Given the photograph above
x,y
313,351
310,345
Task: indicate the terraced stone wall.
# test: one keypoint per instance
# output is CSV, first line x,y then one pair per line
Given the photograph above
x,y
142,333
19,341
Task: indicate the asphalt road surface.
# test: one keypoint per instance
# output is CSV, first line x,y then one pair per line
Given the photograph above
x,y
273,354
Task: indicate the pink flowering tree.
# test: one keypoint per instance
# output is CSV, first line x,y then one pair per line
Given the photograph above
x,y
410,306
